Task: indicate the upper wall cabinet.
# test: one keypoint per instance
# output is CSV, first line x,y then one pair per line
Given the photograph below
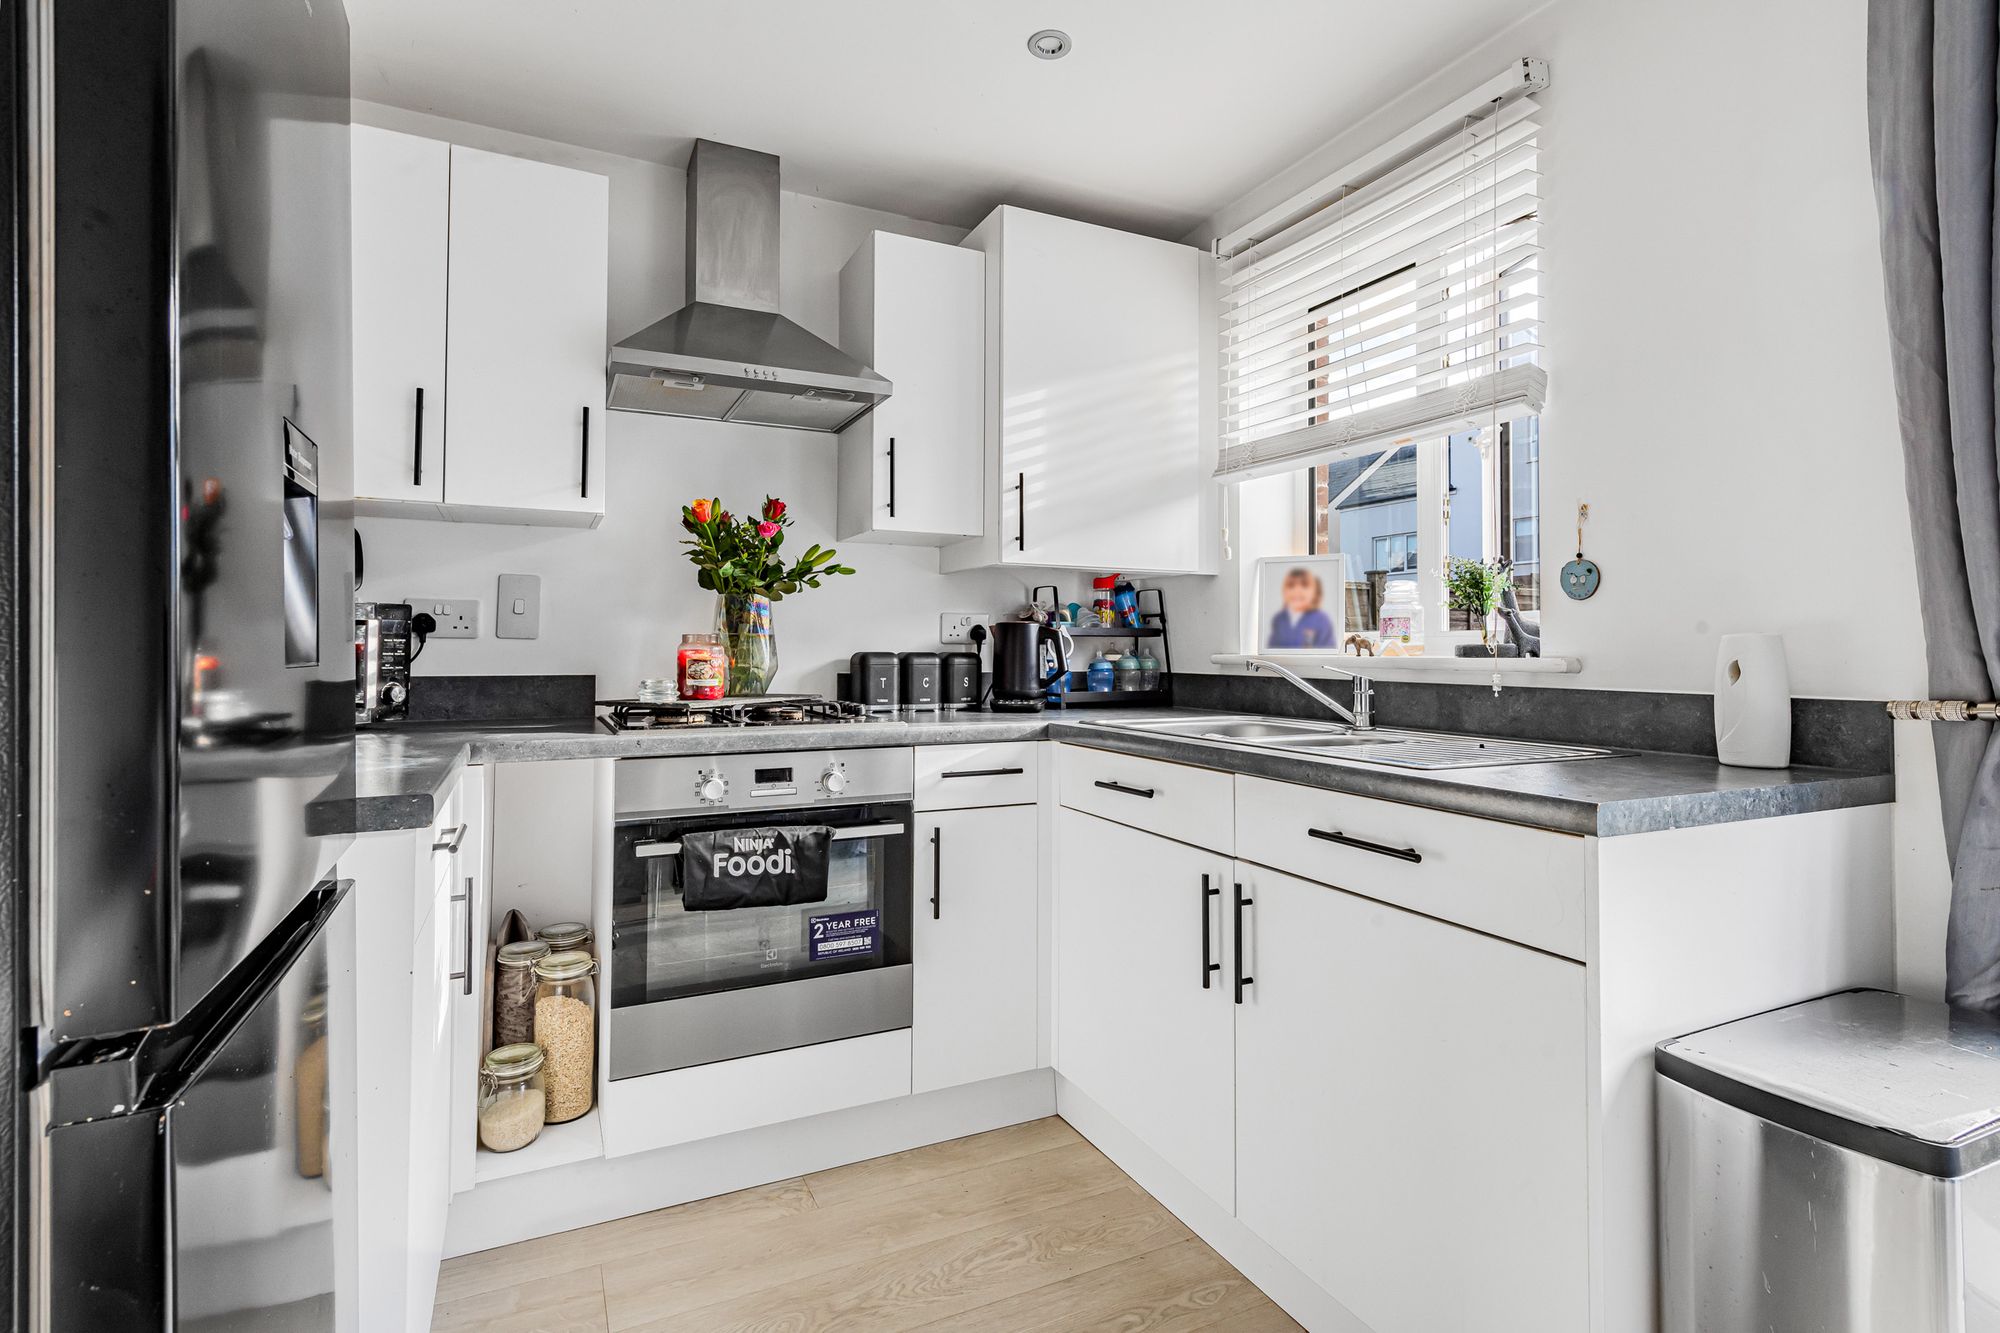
x,y
1093,441
914,310
479,331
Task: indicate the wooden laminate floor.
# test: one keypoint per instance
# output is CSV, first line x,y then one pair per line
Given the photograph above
x,y
1024,1228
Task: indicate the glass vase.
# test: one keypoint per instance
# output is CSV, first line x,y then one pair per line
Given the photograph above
x,y
743,620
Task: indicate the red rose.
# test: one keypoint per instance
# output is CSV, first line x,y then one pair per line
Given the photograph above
x,y
774,509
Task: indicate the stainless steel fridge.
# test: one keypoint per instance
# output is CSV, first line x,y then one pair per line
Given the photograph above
x,y
188,671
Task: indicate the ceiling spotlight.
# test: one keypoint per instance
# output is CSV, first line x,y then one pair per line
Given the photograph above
x,y
1049,44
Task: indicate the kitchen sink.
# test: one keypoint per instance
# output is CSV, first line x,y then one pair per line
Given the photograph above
x,y
1241,729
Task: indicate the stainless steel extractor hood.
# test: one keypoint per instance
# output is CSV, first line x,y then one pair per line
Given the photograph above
x,y
728,355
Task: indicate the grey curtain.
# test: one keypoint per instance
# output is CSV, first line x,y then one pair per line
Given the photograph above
x,y
1931,129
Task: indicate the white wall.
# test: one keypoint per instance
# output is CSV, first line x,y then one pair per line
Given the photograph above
x,y
616,599
1719,364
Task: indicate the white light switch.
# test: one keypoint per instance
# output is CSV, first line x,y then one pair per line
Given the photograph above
x,y
520,607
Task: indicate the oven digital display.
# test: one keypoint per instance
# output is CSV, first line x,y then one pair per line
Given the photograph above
x,y
774,777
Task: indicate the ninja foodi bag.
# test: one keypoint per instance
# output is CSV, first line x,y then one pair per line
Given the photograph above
x,y
754,867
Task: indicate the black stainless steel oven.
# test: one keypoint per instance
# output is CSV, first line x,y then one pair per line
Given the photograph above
x,y
692,987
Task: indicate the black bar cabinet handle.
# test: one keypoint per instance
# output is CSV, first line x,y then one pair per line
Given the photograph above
x,y
584,489
1409,854
1021,511
983,773
1207,942
892,476
417,471
1241,980
937,871
1146,792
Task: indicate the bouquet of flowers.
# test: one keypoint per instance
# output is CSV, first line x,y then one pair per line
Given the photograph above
x,y
739,560
740,556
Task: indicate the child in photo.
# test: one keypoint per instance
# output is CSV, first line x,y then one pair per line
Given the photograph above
x,y
1300,621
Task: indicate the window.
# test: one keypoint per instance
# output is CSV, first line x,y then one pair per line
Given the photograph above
x,y
1372,508
1396,552
1388,340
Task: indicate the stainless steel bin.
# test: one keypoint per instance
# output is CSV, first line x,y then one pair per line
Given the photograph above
x,y
1830,1168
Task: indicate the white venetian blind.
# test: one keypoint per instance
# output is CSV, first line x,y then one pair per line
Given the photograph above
x,y
1405,309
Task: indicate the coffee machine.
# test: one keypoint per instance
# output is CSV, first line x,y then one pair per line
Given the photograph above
x,y
1020,682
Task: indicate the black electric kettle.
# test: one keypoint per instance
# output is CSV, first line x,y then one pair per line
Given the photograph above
x,y
1019,682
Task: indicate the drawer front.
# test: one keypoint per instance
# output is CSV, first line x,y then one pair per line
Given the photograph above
x,y
957,777
1518,883
1191,805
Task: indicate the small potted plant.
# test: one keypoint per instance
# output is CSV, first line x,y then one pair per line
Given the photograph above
x,y
1472,591
738,560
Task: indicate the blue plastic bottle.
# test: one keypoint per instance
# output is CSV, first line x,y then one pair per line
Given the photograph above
x,y
1101,674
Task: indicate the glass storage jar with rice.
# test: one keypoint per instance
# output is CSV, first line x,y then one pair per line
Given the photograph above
x,y
513,1103
566,1030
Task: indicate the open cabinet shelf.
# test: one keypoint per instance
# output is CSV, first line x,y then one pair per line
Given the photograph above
x,y
577,1140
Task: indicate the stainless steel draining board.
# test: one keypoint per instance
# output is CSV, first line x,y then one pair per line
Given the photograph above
x,y
1441,752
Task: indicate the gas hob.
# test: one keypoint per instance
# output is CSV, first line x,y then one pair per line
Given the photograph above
x,y
763,710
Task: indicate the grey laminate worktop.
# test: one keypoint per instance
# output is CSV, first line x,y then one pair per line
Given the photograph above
x,y
400,770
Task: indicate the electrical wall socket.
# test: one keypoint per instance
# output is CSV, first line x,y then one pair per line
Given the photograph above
x,y
457,618
956,626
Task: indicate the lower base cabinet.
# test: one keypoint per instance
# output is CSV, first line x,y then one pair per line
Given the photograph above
x,y
1143,1027
975,946
1410,1112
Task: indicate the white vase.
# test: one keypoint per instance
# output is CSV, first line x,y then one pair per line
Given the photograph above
x,y
1753,702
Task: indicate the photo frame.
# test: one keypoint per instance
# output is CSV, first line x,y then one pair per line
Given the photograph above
x,y
1301,603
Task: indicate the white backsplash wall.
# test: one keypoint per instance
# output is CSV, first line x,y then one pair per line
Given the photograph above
x,y
616,599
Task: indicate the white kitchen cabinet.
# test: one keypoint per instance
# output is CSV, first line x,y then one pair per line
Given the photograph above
x,y
1094,447
470,976
429,1181
1144,1020
974,946
413,890
526,354
483,277
1410,1112
401,216
909,471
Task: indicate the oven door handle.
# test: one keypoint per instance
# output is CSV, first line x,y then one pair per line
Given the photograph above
x,y
646,849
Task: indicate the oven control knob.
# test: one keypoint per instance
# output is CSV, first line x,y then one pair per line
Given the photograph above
x,y
711,788
834,781
394,693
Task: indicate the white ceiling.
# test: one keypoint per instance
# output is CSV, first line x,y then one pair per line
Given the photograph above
x,y
1165,111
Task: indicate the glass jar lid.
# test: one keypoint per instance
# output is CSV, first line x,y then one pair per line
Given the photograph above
x,y
516,1061
565,966
564,935
522,953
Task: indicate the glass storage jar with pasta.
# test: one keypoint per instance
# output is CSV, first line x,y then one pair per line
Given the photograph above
x,y
566,1030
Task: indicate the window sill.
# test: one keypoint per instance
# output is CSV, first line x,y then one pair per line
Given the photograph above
x,y
1423,667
